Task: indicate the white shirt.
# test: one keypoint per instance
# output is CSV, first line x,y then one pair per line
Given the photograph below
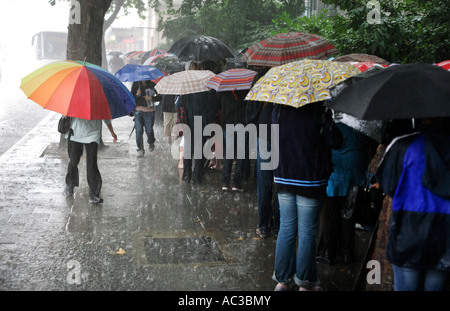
x,y
87,131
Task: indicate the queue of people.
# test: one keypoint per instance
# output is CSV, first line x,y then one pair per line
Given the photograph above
x,y
300,199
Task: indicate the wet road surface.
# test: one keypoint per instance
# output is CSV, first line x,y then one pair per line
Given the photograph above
x,y
151,233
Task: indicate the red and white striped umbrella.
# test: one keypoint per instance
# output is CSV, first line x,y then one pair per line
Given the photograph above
x,y
288,47
445,64
364,66
185,82
233,79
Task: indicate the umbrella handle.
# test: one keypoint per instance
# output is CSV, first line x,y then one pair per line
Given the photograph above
x,y
131,132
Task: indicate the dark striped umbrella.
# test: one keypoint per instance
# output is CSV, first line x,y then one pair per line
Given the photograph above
x,y
233,79
288,47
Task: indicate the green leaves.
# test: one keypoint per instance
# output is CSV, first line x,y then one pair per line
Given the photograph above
x,y
408,31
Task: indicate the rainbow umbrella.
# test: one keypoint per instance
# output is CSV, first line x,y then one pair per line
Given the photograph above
x,y
233,79
78,89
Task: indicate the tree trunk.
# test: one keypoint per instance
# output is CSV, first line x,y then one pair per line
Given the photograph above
x,y
85,39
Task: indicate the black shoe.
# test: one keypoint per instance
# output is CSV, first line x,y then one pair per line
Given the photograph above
x,y
151,147
69,191
95,200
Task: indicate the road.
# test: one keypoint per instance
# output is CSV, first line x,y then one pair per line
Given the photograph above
x,y
18,115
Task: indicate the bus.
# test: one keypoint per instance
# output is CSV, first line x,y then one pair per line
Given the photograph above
x,y
49,45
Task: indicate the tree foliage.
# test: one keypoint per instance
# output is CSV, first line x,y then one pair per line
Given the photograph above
x,y
236,22
408,31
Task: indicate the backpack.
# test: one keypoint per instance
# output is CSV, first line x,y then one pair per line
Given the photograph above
x,y
64,124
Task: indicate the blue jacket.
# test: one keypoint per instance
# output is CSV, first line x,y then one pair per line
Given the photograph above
x,y
416,174
350,162
306,136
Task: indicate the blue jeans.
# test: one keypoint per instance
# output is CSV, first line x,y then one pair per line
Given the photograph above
x,y
410,279
144,120
268,208
299,216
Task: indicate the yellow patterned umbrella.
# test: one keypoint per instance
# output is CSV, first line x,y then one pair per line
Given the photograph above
x,y
301,82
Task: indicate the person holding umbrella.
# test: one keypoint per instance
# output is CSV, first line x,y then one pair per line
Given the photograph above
x,y
144,117
306,137
415,172
88,94
86,135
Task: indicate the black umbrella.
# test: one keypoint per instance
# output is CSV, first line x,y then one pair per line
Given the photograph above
x,y
200,48
398,92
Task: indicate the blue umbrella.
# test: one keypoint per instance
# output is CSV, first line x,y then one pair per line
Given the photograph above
x,y
133,73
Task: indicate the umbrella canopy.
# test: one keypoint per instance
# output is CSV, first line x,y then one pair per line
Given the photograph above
x,y
79,90
185,82
235,62
233,79
445,65
151,53
167,63
358,57
157,58
373,129
364,66
398,92
200,48
133,73
302,82
288,47
134,58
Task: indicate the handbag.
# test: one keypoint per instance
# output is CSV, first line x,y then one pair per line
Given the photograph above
x,y
363,203
64,124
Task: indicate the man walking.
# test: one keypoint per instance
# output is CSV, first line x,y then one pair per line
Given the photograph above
x,y
86,135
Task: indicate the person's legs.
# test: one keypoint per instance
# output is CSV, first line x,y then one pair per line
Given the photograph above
x,y
285,251
75,151
407,279
308,211
93,173
242,153
199,165
227,164
264,183
328,231
149,119
435,280
346,235
139,128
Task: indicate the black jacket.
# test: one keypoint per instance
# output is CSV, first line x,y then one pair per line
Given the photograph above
x,y
306,136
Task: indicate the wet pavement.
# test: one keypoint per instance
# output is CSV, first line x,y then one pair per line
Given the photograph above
x,y
151,233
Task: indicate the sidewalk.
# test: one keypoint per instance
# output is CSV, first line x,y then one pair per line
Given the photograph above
x,y
151,232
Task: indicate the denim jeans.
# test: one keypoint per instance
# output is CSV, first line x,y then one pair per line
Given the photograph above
x,y
410,279
268,208
299,216
144,120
